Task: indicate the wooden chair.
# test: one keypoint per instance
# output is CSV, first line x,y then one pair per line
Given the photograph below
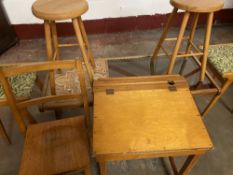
x,y
221,63
196,8
54,147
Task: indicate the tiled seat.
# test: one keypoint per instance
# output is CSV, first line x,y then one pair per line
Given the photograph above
x,y
221,58
67,82
21,85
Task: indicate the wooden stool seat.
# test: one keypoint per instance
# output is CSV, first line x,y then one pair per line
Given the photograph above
x,y
200,6
59,9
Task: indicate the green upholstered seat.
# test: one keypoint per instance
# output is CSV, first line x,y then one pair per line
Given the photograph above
x,y
221,58
21,85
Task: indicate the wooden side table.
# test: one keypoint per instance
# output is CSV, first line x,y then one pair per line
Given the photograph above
x,y
147,117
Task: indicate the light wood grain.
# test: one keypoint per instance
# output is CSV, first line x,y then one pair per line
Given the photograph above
x,y
136,123
55,147
147,121
59,9
200,6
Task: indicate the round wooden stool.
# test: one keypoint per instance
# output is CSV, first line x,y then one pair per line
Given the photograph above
x,y
55,10
195,7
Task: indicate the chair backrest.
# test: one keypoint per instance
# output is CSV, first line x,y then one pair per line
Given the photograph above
x,y
18,106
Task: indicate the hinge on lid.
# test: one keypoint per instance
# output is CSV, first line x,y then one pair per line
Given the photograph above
x,y
171,85
109,91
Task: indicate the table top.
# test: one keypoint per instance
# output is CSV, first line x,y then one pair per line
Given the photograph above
x,y
146,115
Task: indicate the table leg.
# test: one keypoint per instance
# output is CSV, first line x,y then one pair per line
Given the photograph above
x,y
189,164
103,168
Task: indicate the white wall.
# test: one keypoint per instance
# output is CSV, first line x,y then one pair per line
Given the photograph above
x,y
19,11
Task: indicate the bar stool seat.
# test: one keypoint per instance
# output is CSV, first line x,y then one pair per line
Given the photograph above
x,y
59,9
199,6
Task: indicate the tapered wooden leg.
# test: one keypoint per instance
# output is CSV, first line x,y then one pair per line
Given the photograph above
x,y
4,134
206,45
48,39
189,164
82,47
162,38
103,168
191,37
217,97
55,40
173,165
178,42
87,170
84,34
49,53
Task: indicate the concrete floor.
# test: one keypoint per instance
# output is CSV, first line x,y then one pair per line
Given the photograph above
x,y
219,121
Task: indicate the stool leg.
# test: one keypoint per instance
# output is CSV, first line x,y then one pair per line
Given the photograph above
x,y
191,36
206,45
162,38
55,41
84,34
82,47
178,42
4,134
49,53
217,97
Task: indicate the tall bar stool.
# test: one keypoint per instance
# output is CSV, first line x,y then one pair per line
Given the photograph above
x,y
195,7
56,10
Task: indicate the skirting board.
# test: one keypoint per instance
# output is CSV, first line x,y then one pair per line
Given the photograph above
x,y
111,25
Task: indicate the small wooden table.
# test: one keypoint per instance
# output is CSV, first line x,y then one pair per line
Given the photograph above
x,y
147,117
